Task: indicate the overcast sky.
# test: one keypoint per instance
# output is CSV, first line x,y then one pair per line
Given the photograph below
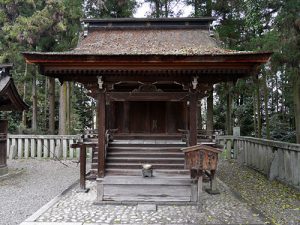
x,y
145,7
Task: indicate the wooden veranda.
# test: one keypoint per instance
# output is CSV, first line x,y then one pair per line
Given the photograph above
x,y
147,76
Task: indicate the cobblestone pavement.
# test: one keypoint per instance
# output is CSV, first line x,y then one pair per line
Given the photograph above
x,y
224,208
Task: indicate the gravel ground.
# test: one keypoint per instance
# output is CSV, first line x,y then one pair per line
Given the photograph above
x,y
30,185
278,202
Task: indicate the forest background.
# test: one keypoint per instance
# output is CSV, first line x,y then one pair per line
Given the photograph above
x,y
266,105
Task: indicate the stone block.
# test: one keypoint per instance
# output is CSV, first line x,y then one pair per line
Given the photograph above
x,y
13,152
274,168
146,207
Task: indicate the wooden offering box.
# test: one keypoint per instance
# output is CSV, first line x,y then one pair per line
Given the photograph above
x,y
201,157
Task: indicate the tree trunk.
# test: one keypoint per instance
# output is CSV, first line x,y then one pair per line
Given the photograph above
x,y
45,103
209,116
258,107
63,109
24,122
254,114
266,93
68,108
296,93
166,9
157,9
24,111
229,109
34,103
208,8
51,96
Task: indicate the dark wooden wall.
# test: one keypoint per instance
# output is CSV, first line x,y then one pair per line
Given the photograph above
x,y
148,117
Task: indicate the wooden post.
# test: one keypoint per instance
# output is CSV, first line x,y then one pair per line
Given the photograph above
x,y
200,185
101,134
3,146
213,184
193,119
82,166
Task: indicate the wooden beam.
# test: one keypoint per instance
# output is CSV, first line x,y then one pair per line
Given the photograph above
x,y
101,134
147,96
193,119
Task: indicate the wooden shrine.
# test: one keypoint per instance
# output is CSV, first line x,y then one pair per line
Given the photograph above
x,y
147,76
10,100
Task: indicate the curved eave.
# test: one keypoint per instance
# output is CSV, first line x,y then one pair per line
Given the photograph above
x,y
9,91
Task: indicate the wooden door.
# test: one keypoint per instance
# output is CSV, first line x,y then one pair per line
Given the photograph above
x,y
157,117
147,117
139,117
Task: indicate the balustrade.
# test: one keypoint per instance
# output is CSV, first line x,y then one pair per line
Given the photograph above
x,y
42,146
278,160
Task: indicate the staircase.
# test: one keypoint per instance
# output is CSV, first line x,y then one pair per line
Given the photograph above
x,y
125,157
123,181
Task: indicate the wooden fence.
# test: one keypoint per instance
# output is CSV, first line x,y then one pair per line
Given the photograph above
x,y
278,160
42,146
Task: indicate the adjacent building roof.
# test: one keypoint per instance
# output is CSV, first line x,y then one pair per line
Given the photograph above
x,y
10,100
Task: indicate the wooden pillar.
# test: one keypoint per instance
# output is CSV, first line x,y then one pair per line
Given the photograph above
x,y
101,134
3,146
82,166
193,119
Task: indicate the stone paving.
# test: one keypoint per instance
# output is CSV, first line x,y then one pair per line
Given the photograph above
x,y
224,208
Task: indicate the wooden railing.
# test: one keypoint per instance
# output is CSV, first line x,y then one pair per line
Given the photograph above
x,y
43,146
278,160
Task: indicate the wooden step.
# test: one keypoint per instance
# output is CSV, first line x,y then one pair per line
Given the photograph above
x,y
139,166
136,136
177,145
156,172
142,160
143,148
145,154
